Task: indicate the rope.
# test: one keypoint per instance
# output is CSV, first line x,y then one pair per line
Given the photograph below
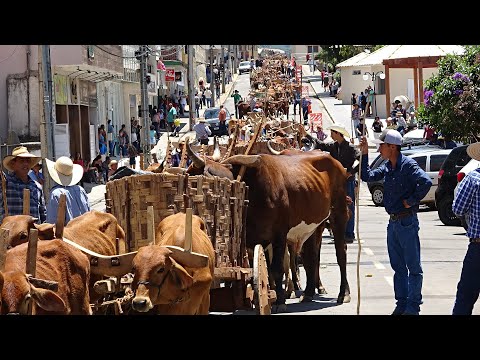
x,y
357,206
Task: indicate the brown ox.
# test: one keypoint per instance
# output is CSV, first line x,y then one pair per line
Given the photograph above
x,y
94,230
206,166
243,109
290,197
56,261
161,280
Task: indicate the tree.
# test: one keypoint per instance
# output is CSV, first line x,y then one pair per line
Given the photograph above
x,y
334,54
451,97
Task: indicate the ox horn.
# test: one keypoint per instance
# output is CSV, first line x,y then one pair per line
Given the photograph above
x,y
41,283
216,151
272,150
187,258
196,160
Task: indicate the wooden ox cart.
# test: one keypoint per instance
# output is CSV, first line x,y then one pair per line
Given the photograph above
x,y
222,204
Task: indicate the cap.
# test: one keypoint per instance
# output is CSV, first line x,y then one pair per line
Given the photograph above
x,y
389,136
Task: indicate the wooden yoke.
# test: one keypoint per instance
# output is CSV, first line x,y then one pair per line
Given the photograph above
x,y
31,265
60,224
26,202
150,225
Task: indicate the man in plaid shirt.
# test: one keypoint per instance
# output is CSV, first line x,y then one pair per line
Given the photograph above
x,y
19,164
467,202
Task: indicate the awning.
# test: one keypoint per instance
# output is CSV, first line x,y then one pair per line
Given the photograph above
x,y
87,72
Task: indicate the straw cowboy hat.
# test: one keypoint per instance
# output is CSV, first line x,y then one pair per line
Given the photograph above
x,y
473,150
64,171
113,162
202,120
20,151
340,129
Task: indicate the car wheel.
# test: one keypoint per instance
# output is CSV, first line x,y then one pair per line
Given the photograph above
x,y
377,195
445,212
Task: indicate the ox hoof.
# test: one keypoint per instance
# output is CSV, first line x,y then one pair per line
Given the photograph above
x,y
344,299
306,298
278,309
322,291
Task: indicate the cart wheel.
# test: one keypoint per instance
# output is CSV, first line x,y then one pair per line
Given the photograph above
x,y
261,287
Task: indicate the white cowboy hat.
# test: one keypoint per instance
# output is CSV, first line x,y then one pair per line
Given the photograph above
x,y
340,129
473,150
113,162
20,151
64,171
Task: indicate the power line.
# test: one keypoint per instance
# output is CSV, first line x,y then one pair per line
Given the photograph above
x,y
9,56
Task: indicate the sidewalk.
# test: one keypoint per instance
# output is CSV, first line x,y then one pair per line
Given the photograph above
x,y
338,112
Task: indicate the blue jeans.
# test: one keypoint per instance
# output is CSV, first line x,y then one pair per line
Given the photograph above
x,y
349,230
403,246
469,285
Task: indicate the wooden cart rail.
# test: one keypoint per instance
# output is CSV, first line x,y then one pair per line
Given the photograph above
x,y
221,203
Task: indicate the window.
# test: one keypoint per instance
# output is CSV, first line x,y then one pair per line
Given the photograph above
x,y
436,162
312,48
422,162
357,72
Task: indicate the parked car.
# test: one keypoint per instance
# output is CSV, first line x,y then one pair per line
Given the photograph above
x,y
244,66
471,165
429,159
211,115
447,180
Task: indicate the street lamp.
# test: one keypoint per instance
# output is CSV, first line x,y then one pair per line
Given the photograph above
x,y
374,75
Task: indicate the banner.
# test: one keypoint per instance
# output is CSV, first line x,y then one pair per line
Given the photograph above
x,y
61,89
316,120
170,74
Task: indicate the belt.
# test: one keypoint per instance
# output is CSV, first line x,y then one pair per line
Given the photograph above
x,y
400,215
476,240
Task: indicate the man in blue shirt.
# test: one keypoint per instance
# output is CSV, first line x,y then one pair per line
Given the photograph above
x,y
467,202
405,185
66,175
19,164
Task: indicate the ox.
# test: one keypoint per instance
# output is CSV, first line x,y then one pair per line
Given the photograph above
x,y
161,279
206,167
56,261
290,197
97,231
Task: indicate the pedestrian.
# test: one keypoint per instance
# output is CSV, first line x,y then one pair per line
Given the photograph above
x,y
176,127
37,175
305,104
297,98
66,176
123,141
202,131
360,130
111,144
377,127
112,168
467,203
345,152
171,116
405,185
197,105
19,164
132,155
222,118
208,97
356,115
401,123
236,99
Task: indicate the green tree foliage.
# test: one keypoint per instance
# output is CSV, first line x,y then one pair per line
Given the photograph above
x,y
334,54
452,97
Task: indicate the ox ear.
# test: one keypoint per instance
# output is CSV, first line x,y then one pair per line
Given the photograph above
x,y
45,231
181,277
48,300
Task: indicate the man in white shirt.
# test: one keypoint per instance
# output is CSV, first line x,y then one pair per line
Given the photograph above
x,y
202,131
208,97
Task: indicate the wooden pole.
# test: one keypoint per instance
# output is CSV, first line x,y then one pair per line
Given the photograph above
x,y
26,202
258,129
188,230
4,235
60,224
4,191
150,225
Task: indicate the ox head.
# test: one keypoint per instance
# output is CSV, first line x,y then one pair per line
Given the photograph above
x,y
19,227
20,290
158,278
206,167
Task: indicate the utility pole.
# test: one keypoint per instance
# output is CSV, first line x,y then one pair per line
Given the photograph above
x,y
191,89
212,75
47,112
223,73
143,57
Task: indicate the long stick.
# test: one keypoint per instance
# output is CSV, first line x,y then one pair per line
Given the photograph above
x,y
4,191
